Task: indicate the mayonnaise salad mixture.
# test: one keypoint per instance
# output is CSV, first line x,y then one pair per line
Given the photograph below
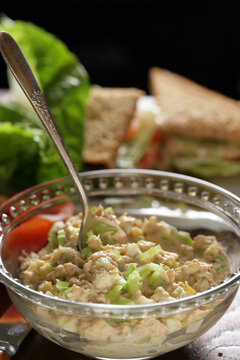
x,y
154,263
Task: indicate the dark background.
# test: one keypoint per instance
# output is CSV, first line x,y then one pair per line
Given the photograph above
x,y
118,40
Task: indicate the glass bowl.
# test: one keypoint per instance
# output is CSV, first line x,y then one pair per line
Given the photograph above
x,y
135,331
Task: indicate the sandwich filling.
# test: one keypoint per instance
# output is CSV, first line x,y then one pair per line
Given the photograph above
x,y
146,146
199,157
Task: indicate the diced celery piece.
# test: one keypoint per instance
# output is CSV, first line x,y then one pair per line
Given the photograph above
x,y
122,281
115,252
156,278
184,238
93,210
86,252
130,269
61,286
52,235
61,237
149,253
122,300
188,241
220,259
133,282
89,234
102,228
146,269
114,293
48,268
108,241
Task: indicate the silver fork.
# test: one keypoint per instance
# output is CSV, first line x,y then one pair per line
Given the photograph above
x,y
20,68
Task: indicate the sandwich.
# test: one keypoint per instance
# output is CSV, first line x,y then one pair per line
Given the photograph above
x,y
201,126
197,130
109,112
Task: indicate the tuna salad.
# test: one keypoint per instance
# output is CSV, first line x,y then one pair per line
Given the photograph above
x,y
155,262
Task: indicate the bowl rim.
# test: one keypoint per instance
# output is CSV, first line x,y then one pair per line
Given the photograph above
x,y
181,304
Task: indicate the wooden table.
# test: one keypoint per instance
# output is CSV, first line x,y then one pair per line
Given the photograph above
x,y
220,342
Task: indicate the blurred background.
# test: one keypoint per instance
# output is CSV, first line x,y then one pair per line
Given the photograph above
x,y
117,41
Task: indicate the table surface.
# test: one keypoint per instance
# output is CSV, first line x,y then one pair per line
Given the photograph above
x,y
220,342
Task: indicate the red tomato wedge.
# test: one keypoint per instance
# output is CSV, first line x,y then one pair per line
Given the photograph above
x,y
32,234
11,316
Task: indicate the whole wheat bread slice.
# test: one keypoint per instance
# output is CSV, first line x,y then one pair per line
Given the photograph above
x,y
108,114
192,110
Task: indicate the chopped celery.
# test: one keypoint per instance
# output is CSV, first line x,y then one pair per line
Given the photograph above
x,y
52,235
84,239
114,293
184,238
122,300
48,268
188,241
220,259
130,269
108,241
115,252
93,210
89,234
61,237
146,269
149,253
102,228
86,252
133,282
156,278
61,286
122,281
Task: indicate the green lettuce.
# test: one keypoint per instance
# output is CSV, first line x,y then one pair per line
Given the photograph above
x,y
209,168
204,158
65,84
18,162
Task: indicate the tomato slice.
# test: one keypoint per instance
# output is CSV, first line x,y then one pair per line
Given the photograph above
x,y
131,131
32,234
149,159
58,212
11,316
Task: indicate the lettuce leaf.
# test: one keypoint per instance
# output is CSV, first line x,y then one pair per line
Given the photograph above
x,y
20,159
203,157
65,84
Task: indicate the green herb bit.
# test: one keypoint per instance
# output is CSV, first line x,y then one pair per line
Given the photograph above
x,y
150,253
61,286
156,278
146,269
86,252
114,293
61,237
131,268
122,300
102,228
133,282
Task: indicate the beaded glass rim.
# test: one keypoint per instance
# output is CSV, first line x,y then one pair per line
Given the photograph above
x,y
134,181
